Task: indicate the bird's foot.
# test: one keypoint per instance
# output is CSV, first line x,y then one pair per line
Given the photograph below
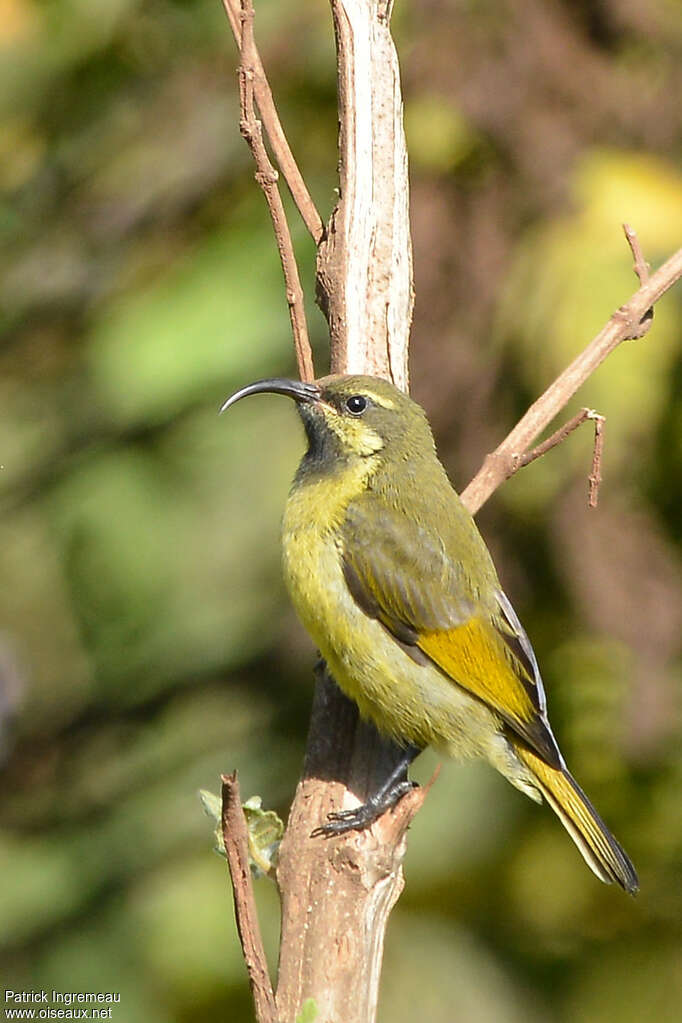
x,y
362,817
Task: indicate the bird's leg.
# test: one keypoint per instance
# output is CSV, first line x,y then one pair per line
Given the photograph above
x,y
385,798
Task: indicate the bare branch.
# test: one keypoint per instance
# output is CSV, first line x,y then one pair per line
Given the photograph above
x,y
595,475
641,269
641,266
267,178
331,947
273,127
237,852
625,323
560,435
364,269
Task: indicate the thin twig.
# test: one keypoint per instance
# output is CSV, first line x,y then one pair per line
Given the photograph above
x,y
520,461
641,266
560,435
235,837
267,178
273,127
624,324
641,269
595,475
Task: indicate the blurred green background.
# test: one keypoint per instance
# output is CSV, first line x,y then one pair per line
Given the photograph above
x,y
146,644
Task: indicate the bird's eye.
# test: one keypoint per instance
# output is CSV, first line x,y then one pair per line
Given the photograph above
x,y
356,404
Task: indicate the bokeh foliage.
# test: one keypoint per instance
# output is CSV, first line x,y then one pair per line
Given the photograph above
x,y
146,644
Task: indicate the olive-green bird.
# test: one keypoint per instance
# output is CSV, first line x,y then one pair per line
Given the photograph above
x,y
392,579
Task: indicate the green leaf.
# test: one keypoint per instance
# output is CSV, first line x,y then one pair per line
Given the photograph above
x,y
265,834
264,827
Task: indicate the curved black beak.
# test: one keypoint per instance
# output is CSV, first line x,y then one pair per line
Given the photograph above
x,y
296,389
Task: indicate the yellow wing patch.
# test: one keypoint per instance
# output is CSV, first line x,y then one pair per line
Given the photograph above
x,y
473,657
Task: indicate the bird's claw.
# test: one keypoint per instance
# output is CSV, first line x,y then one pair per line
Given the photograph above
x,y
341,821
360,817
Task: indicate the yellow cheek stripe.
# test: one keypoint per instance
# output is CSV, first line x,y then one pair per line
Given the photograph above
x,y
353,434
473,657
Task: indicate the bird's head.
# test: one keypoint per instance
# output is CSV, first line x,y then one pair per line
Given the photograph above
x,y
351,417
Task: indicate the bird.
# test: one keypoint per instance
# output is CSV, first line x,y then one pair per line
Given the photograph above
x,y
393,581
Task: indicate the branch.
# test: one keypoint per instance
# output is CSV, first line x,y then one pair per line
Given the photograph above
x,y
267,178
630,321
559,436
641,266
273,127
337,894
364,268
595,475
237,852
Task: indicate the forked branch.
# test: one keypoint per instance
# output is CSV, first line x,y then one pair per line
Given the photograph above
x,y
273,126
267,177
559,436
632,320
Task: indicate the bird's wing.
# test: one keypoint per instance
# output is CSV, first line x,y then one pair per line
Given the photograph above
x,y
400,573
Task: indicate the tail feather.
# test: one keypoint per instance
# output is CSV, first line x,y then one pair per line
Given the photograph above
x,y
600,850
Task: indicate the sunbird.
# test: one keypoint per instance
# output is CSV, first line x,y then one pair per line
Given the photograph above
x,y
394,583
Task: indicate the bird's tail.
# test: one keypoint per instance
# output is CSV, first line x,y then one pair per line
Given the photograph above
x,y
600,850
